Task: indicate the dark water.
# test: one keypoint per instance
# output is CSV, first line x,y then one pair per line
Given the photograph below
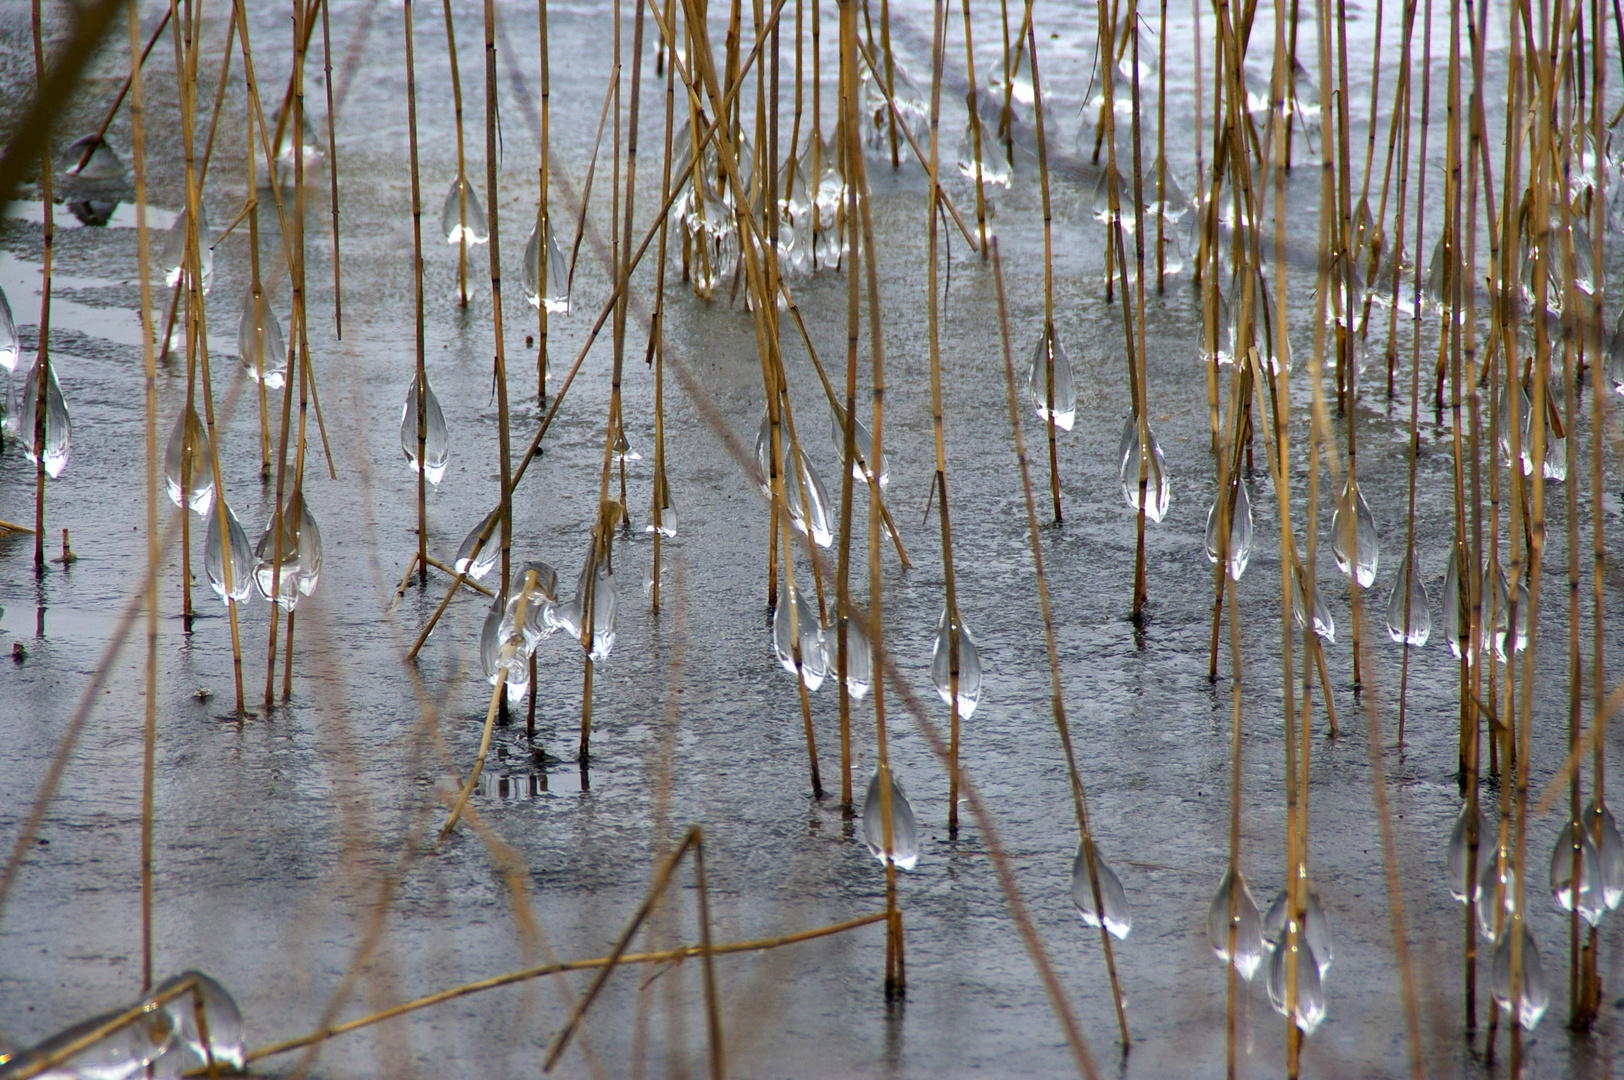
x,y
282,839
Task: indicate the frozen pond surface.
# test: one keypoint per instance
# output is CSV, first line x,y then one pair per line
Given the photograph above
x,y
291,843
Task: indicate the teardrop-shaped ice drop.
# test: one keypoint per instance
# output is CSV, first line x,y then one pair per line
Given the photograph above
x,y
220,1015
1533,997
189,464
1457,622
1575,874
242,556
1496,878
128,1050
667,523
1353,536
57,426
276,559
605,609
1309,1007
1609,852
172,256
1240,532
463,218
813,661
1460,841
859,655
811,514
1316,928
1233,908
863,445
1157,488
436,440
10,347
480,566
90,158
1063,404
260,343
1324,622
309,549
969,665
1496,601
1118,916
1412,626
903,850
555,294
490,640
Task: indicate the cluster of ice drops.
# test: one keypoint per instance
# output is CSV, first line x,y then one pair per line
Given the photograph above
x,y
1587,876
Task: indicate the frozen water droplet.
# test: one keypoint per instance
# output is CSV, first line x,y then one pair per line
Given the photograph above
x,y
1240,531
58,429
1324,623
863,445
556,298
1609,852
100,164
436,439
1460,853
1533,997
859,656
1233,907
1063,405
1309,1007
1412,626
969,664
1576,874
189,464
478,567
1353,536
903,850
1118,916
240,572
795,623
1154,468
463,218
1497,878
260,343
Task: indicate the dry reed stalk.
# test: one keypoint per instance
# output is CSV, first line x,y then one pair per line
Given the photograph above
x,y
42,397
544,216
462,175
332,173
129,81
974,102
1057,699
197,332
417,304
660,498
673,957
950,590
150,729
494,245
1047,343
